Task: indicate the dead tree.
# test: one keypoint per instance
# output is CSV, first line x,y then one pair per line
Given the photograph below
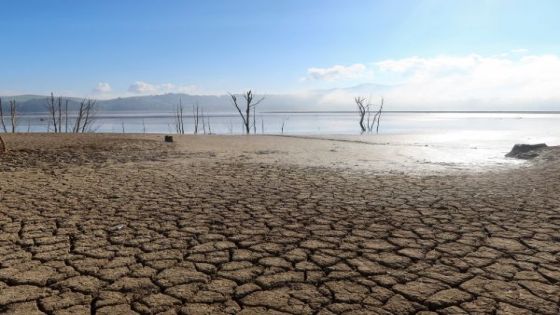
x,y
196,117
2,123
13,115
378,114
209,125
254,121
85,117
179,120
365,110
59,114
66,117
51,107
56,111
203,121
245,113
362,111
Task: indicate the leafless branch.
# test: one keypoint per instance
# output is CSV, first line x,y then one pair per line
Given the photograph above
x,y
245,113
365,110
362,110
196,115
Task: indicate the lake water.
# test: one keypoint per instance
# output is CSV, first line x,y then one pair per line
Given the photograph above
x,y
536,125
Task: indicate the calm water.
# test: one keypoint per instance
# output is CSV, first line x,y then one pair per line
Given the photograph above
x,y
542,125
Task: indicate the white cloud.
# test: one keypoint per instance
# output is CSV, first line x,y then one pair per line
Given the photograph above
x,y
143,88
469,81
338,73
102,88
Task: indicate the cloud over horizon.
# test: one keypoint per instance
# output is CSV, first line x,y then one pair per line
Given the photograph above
x,y
467,81
144,88
102,88
338,73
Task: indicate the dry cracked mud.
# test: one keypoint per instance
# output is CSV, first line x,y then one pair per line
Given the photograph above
x,y
95,225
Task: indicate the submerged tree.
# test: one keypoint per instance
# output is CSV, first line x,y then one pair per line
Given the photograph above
x,y
365,110
179,119
245,109
54,106
86,116
196,117
362,110
59,115
13,115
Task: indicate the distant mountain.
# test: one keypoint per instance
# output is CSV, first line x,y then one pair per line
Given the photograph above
x,y
37,103
164,103
333,99
337,99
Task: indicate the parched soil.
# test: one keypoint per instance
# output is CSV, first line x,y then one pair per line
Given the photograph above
x,y
127,225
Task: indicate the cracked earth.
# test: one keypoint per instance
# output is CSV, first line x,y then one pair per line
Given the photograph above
x,y
98,225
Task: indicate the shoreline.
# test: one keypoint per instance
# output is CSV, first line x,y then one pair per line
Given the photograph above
x,y
421,154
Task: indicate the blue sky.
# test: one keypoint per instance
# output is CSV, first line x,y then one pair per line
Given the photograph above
x,y
125,47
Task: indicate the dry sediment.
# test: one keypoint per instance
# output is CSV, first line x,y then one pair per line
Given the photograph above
x,y
124,225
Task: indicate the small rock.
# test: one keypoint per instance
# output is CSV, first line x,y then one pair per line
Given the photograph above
x,y
526,151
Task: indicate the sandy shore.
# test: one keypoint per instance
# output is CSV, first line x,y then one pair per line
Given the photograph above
x,y
115,224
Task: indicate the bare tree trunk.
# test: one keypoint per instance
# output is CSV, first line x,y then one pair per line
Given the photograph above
x,y
248,116
13,115
196,118
203,122
379,115
362,109
246,112
78,121
365,109
59,114
89,115
179,119
66,117
254,122
52,111
85,117
2,123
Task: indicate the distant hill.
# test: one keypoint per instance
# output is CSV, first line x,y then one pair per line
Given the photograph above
x,y
337,99
163,103
333,99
